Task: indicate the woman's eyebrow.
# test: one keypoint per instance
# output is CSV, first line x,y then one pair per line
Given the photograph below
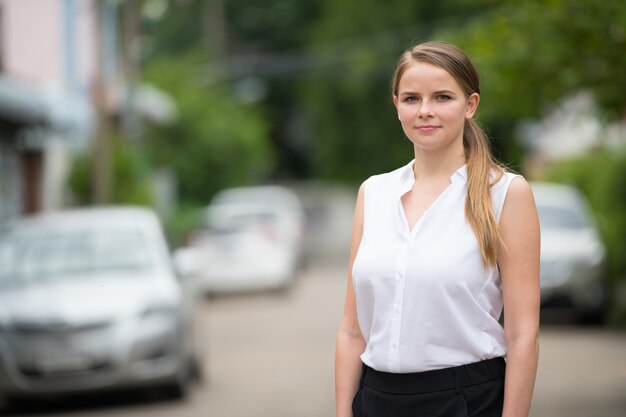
x,y
449,92
411,93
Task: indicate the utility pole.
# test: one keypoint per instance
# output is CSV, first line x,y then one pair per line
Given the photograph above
x,y
215,27
101,174
130,55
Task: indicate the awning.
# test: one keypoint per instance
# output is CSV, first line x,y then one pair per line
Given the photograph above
x,y
68,113
21,103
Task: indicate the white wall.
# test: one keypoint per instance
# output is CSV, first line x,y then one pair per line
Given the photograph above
x,y
34,41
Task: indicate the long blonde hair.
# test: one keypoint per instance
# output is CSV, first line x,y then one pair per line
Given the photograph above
x,y
482,169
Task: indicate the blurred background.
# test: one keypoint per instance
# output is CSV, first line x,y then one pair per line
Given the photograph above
x,y
244,127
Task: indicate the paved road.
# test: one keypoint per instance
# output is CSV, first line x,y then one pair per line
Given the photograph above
x,y
582,373
272,356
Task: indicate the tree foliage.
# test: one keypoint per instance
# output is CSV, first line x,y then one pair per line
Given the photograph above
x,y
130,179
530,55
356,128
215,143
341,53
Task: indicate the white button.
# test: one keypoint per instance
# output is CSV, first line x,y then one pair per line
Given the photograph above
x,y
394,345
397,310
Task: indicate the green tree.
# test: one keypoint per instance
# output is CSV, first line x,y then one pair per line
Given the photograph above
x,y
530,55
356,45
533,53
215,143
130,175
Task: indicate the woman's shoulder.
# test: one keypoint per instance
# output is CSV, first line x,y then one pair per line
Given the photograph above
x,y
510,186
518,187
503,178
519,202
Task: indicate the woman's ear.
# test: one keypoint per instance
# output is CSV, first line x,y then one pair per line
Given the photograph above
x,y
472,105
395,103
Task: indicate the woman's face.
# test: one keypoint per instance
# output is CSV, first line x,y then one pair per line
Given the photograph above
x,y
432,107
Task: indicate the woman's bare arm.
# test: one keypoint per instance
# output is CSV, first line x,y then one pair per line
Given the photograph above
x,y
350,343
518,261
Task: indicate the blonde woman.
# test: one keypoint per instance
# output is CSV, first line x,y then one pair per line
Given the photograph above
x,y
440,247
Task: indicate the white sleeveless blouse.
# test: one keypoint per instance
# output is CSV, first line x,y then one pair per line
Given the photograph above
x,y
424,299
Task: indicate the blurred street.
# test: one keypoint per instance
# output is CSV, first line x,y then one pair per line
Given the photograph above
x,y
271,355
155,150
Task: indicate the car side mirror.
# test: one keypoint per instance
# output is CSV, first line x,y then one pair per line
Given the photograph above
x,y
186,262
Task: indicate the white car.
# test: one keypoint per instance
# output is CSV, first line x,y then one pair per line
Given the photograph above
x,y
252,239
573,256
89,301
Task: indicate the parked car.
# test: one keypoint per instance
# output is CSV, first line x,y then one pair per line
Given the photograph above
x,y
573,256
89,301
252,239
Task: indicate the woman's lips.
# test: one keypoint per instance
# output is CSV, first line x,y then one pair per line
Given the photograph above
x,y
426,128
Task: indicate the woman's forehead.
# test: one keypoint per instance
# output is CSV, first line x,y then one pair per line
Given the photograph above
x,y
421,75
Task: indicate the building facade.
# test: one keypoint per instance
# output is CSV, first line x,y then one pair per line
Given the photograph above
x,y
46,81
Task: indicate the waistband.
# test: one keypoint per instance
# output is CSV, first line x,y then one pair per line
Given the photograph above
x,y
456,377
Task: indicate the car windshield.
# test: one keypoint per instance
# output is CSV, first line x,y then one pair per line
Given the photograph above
x,y
284,199
243,219
38,255
552,217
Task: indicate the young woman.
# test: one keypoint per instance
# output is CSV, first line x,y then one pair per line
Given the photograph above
x,y
439,248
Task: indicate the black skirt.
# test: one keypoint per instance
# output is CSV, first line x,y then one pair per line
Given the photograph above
x,y
474,390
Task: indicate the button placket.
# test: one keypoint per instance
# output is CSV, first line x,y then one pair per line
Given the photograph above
x,y
396,317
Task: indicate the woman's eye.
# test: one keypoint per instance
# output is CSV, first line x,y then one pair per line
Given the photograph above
x,y
443,97
410,99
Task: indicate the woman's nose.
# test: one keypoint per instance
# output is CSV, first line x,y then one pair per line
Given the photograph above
x,y
424,110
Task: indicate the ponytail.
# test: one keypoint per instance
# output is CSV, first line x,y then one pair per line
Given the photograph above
x,y
482,172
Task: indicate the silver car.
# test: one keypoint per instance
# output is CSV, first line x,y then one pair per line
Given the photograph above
x,y
253,239
89,301
573,256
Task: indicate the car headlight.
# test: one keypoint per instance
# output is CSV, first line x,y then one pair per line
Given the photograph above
x,y
159,313
156,330
157,321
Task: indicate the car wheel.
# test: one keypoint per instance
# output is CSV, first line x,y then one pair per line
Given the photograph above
x,y
196,371
4,403
179,388
591,317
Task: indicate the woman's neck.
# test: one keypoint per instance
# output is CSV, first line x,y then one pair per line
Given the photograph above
x,y
430,166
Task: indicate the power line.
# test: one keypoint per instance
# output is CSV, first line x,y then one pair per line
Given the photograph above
x,y
323,58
